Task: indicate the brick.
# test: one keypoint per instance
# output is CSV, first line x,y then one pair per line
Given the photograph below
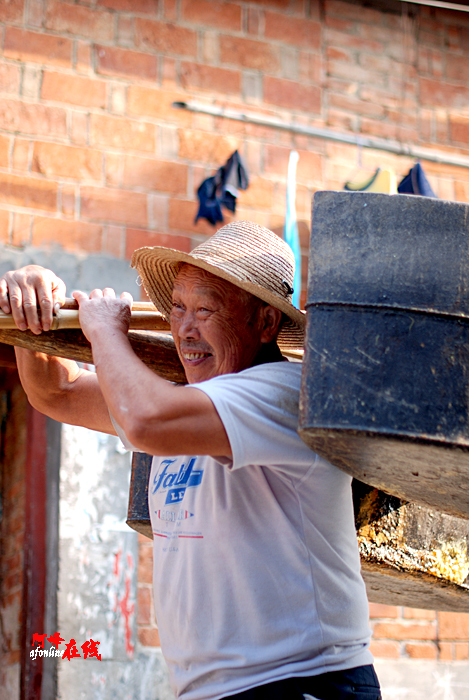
x,y
118,100
169,72
181,217
152,174
114,167
398,630
28,192
79,128
259,194
10,77
170,9
138,238
83,59
125,30
22,45
54,160
461,651
149,637
204,147
11,10
31,83
68,200
141,7
388,131
21,233
114,238
74,236
212,13
293,5
380,610
107,204
157,104
158,205
79,20
293,30
421,651
145,563
21,152
248,53
117,132
32,118
355,12
200,77
4,150
144,606
255,21
453,625
459,129
74,89
310,67
461,190
445,651
35,13
4,226
355,105
418,614
435,93
291,95
165,38
126,64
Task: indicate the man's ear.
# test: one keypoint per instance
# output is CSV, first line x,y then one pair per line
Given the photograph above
x,y
272,320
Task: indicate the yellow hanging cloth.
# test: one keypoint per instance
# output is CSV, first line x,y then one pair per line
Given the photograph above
x,y
383,180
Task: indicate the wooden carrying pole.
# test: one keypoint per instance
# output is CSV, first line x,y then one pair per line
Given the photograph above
x,y
154,347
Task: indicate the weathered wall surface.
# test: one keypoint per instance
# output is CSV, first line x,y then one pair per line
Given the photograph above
x,y
98,556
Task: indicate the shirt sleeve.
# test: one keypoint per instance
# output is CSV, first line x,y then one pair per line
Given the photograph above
x,y
259,411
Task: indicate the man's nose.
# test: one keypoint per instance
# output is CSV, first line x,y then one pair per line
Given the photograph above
x,y
188,326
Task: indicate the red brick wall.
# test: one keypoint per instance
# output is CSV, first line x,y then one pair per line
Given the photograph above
x,y
419,634
94,159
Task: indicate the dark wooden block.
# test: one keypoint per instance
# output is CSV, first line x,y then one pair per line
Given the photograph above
x,y
410,555
385,392
138,516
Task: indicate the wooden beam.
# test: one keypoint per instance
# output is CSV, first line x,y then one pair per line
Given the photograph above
x,y
155,349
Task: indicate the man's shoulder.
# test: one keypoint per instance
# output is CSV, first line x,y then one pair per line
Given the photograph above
x,y
277,372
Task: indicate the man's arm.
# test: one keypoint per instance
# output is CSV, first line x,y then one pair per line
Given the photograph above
x,y
61,390
55,386
156,416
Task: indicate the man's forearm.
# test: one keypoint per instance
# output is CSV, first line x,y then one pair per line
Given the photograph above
x,y
61,390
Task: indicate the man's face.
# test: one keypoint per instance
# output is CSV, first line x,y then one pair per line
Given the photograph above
x,y
215,325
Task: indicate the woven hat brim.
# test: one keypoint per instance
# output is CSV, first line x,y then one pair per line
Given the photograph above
x,y
158,267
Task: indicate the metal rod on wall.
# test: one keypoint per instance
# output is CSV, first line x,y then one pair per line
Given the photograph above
x,y
400,149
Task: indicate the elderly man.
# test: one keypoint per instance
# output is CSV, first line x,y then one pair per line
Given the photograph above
x,y
257,583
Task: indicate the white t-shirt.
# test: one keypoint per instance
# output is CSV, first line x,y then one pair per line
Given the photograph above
x,y
256,565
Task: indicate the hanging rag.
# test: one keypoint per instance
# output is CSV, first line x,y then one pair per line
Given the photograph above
x,y
291,228
382,180
222,189
415,182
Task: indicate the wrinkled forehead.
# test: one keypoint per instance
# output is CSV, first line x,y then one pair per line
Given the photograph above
x,y
195,279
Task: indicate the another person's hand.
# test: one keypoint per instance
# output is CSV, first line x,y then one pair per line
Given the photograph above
x,y
30,294
101,312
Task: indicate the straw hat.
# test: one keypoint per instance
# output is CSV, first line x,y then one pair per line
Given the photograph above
x,y
243,253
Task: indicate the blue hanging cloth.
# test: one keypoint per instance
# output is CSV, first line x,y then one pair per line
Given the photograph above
x,y
222,189
415,182
291,227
